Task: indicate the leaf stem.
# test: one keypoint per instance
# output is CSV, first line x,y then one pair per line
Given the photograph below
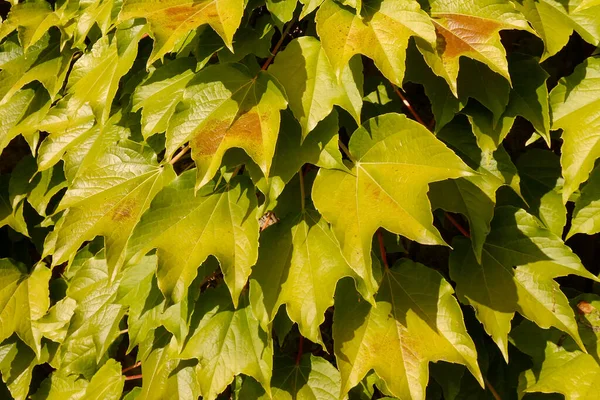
x,y
409,106
278,45
180,154
300,349
346,151
457,225
132,377
134,366
124,331
302,192
489,386
382,249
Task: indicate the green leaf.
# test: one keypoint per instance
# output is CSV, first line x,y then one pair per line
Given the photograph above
x,y
319,148
219,221
95,76
586,216
529,94
219,326
559,366
164,375
474,196
541,185
226,106
31,19
310,83
554,21
17,361
170,21
107,383
416,321
382,34
497,290
60,387
299,267
158,95
489,133
467,28
311,377
444,104
55,323
44,62
395,160
108,199
479,82
9,216
24,299
282,11
95,322
574,103
22,112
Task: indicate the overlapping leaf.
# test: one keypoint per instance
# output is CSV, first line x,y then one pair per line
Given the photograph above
x,y
496,289
574,103
226,106
382,35
311,85
395,160
186,227
108,199
171,20
417,320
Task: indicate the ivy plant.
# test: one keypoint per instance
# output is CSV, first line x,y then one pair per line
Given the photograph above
x,y
299,200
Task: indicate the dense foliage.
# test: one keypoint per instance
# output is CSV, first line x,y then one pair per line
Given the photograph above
x,y
314,199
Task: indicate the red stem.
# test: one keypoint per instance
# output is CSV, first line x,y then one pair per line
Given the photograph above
x,y
132,377
134,366
278,45
457,225
382,249
410,108
300,349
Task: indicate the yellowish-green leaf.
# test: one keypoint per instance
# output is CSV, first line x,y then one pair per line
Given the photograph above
x,y
311,85
24,298
158,95
31,19
108,199
497,290
574,103
95,76
171,20
395,160
586,217
227,342
226,106
299,265
417,320
382,34
470,28
186,228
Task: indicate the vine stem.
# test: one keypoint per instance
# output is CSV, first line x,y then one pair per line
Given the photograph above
x,y
132,377
278,45
489,386
382,249
300,349
346,151
181,153
409,106
134,366
457,225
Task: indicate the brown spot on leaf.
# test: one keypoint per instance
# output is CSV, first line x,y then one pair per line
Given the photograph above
x,y
583,307
124,210
458,34
247,129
